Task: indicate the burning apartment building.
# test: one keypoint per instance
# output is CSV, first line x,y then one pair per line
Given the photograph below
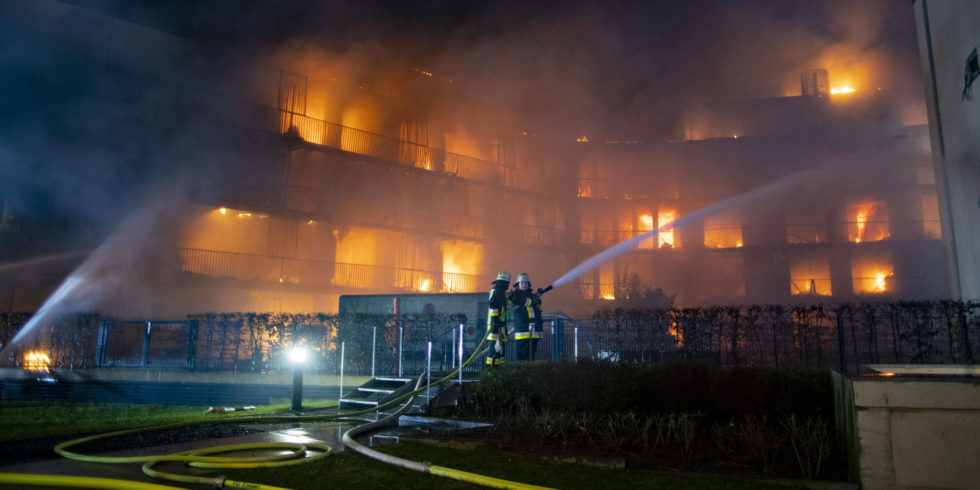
x,y
306,177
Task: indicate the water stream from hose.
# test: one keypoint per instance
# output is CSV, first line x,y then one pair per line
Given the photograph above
x,y
767,190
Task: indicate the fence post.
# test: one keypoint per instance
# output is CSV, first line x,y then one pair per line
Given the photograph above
x,y
557,339
100,346
453,344
401,345
460,354
576,344
145,357
428,371
374,340
340,393
192,344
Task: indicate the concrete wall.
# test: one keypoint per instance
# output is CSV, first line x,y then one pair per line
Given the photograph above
x,y
948,31
918,433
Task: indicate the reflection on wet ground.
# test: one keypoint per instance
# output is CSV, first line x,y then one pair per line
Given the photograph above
x,y
327,432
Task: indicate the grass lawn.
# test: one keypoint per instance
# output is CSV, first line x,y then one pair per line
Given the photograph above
x,y
23,420
350,470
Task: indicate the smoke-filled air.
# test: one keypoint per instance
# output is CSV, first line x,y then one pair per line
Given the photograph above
x,y
166,159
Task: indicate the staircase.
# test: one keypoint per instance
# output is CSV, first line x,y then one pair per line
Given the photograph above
x,y
380,390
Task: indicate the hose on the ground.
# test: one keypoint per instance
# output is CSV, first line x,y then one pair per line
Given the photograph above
x,y
287,453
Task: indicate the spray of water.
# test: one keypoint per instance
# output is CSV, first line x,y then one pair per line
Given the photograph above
x,y
761,192
37,260
106,270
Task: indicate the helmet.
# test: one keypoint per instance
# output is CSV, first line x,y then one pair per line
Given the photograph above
x,y
503,276
522,281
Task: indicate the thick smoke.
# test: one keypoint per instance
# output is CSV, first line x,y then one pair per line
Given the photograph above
x,y
84,154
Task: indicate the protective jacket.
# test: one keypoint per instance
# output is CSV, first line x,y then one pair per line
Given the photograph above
x,y
497,321
527,312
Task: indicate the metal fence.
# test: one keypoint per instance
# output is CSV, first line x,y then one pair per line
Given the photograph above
x,y
839,336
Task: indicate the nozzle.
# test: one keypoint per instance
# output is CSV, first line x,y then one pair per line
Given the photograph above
x,y
545,290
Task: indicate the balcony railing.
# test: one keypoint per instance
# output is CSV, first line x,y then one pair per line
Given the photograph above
x,y
323,133
264,268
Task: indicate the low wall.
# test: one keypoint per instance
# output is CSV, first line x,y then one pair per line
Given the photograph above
x,y
918,432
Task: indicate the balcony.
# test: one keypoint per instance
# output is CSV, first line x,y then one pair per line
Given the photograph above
x,y
322,133
320,273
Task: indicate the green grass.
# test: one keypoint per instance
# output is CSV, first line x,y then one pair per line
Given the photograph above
x,y
29,419
350,470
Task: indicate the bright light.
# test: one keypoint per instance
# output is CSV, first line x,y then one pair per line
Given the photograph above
x,y
298,355
582,139
842,90
36,361
223,210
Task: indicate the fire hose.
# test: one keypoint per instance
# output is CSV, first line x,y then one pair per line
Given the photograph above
x,y
293,453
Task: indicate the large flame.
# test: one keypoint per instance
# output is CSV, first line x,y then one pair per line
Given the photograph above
x,y
867,222
462,261
872,275
842,90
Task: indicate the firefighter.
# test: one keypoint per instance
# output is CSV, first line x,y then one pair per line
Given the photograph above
x,y
497,319
527,317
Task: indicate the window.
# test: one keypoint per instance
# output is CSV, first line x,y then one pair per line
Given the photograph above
x,y
867,221
809,275
723,231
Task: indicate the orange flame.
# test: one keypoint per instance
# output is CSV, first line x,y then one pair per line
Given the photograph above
x,y
36,361
666,216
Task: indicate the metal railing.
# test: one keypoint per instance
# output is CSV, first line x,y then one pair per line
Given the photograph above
x,y
249,267
323,133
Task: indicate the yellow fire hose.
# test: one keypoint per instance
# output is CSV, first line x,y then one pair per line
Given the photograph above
x,y
287,454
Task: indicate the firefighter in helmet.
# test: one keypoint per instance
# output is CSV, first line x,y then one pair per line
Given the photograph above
x,y
527,317
497,319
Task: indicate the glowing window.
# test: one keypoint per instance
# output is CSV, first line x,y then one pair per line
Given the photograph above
x,y
867,221
607,290
723,231
810,276
644,224
667,238
872,274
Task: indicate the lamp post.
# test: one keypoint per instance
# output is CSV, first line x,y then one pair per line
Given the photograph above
x,y
298,357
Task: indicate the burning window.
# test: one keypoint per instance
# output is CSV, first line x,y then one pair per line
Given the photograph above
x,y
931,226
666,238
723,231
356,251
586,179
607,281
810,276
867,221
461,262
644,224
806,226
36,361
872,273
